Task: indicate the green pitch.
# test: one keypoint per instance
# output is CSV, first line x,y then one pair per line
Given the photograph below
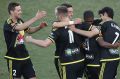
x,y
43,57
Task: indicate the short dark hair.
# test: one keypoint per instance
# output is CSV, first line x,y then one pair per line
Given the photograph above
x,y
107,10
61,10
66,5
12,5
88,14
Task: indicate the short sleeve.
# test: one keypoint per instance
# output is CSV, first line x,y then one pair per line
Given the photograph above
x,y
9,25
53,36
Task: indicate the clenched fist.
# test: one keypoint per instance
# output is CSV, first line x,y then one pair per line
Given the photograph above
x,y
42,25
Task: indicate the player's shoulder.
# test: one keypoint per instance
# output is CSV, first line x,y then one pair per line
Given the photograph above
x,y
105,24
58,29
55,29
108,22
9,21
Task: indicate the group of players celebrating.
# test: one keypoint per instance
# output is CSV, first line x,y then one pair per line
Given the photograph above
x,y
83,48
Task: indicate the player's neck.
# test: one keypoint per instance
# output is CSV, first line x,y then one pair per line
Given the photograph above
x,y
108,19
14,19
65,19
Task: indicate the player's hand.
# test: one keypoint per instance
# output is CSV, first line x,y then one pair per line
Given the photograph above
x,y
72,27
117,44
40,14
42,25
28,39
77,21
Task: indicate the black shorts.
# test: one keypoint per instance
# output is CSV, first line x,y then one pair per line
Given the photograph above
x,y
92,66
92,72
108,69
73,71
92,60
20,68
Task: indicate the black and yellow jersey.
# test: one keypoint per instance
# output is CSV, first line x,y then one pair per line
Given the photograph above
x,y
91,47
111,33
67,45
90,44
14,39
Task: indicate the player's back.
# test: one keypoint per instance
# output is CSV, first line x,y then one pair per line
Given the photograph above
x,y
68,46
111,33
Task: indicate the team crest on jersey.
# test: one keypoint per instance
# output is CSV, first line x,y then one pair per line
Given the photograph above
x,y
20,37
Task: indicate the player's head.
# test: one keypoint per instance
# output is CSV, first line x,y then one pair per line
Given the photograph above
x,y
88,16
14,9
61,12
106,12
69,8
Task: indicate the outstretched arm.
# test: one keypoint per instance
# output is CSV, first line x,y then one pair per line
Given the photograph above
x,y
31,30
105,44
39,15
62,24
41,43
88,34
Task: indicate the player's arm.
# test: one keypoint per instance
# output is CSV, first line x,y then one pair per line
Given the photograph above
x,y
41,43
62,24
31,30
39,15
105,44
94,31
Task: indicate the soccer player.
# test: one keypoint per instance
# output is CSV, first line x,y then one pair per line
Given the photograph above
x,y
18,60
110,33
67,47
58,24
90,47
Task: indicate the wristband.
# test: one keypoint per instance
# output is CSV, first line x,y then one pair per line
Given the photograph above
x,y
71,22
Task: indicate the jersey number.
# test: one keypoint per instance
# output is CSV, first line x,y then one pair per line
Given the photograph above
x,y
14,72
71,37
117,36
114,51
87,47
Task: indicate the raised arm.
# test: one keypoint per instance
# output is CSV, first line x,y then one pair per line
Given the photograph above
x,y
62,24
41,43
39,15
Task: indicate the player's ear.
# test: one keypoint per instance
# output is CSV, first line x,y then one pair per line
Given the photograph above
x,y
60,16
105,14
11,12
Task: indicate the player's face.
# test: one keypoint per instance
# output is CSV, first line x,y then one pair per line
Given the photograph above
x,y
70,12
102,17
17,12
89,20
